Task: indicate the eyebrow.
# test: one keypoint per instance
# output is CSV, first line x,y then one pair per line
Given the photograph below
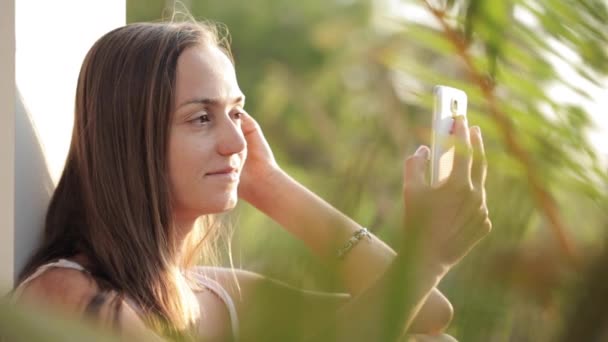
x,y
213,102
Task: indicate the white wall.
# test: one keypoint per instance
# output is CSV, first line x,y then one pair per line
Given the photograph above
x,y
52,39
7,140
36,108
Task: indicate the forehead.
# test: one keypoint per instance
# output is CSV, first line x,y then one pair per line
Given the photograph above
x,y
205,72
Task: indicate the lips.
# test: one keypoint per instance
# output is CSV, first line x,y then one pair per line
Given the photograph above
x,y
225,171
228,175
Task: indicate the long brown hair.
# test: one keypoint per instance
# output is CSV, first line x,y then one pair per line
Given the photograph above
x,y
112,203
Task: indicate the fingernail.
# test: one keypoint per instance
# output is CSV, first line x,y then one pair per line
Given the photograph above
x,y
423,152
461,118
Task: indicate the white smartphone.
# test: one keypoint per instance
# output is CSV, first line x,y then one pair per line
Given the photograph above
x,y
448,103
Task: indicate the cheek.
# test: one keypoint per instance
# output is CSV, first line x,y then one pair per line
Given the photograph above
x,y
182,165
187,162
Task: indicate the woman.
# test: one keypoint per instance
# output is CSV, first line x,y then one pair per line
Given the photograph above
x,y
161,141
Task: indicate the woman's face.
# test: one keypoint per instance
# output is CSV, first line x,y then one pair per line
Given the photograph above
x,y
206,145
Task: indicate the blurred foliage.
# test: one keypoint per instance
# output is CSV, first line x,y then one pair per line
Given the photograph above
x,y
342,89
19,323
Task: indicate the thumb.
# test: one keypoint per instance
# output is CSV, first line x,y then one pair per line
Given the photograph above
x,y
416,167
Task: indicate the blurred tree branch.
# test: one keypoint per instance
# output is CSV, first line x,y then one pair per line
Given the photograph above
x,y
588,315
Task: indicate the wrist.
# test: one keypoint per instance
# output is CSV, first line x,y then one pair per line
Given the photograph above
x,y
435,266
424,257
259,187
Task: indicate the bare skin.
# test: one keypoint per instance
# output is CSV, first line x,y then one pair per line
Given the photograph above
x,y
219,136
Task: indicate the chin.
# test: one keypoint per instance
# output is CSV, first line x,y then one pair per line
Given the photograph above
x,y
229,206
223,205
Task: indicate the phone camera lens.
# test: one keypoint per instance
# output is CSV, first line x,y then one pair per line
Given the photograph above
x,y
454,105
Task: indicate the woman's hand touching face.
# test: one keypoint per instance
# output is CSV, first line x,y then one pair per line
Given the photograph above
x,y
260,165
443,223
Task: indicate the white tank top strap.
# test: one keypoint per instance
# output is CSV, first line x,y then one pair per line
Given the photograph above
x,y
224,296
62,263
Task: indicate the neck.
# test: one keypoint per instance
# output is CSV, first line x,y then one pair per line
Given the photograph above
x,y
183,228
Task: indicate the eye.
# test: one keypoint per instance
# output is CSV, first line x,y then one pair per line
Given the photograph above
x,y
238,115
201,119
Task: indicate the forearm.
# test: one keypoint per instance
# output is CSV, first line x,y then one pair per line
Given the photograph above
x,y
387,309
323,229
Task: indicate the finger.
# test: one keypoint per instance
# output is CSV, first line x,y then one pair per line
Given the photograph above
x,y
471,232
415,168
479,168
479,225
461,172
248,123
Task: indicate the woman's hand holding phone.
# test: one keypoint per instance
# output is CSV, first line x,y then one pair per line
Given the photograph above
x,y
444,222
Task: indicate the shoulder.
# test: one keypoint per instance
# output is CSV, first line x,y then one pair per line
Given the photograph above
x,y
64,288
73,291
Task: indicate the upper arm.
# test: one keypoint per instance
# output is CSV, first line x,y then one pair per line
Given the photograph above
x,y
251,290
264,304
243,285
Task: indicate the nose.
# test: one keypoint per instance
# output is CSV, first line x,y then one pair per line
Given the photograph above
x,y
230,139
